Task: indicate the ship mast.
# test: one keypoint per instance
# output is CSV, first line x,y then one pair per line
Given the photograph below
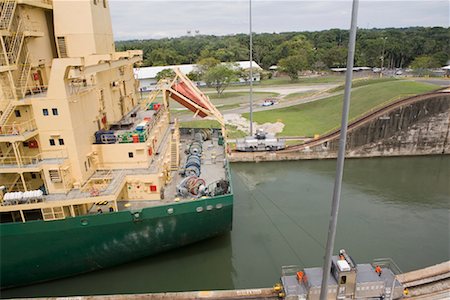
x,y
341,154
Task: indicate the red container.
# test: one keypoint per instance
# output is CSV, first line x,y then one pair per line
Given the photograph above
x,y
135,138
156,106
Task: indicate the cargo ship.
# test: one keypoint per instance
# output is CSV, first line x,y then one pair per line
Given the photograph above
x,y
92,175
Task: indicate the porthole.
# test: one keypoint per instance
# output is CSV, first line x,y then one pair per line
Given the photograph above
x,y
170,211
219,205
209,207
199,209
84,222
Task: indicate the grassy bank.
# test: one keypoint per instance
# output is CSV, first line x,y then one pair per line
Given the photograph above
x,y
362,82
324,115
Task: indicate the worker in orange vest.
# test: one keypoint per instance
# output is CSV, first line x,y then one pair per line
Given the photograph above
x,y
378,270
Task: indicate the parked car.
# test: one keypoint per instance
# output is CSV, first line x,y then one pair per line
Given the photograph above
x,y
269,102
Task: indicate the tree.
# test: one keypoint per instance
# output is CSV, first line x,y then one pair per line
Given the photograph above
x,y
220,76
207,63
292,65
422,63
165,74
194,75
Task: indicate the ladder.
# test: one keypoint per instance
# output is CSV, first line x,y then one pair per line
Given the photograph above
x,y
14,43
24,75
173,155
5,115
7,12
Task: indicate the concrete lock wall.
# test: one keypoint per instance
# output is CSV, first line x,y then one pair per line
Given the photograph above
x,y
416,128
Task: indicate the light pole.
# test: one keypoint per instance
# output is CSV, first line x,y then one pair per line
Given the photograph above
x,y
251,68
341,154
382,56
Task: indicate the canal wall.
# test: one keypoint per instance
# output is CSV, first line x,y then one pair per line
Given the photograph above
x,y
417,125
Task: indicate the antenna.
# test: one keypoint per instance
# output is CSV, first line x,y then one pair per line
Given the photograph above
x,y
251,68
341,155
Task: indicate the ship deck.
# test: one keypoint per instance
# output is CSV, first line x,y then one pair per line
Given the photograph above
x,y
213,169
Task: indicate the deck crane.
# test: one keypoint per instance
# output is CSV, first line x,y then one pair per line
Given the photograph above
x,y
184,91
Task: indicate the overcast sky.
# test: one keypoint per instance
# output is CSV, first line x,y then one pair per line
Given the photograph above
x,y
159,19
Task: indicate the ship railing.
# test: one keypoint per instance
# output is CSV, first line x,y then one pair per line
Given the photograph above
x,y
387,263
18,128
33,159
35,91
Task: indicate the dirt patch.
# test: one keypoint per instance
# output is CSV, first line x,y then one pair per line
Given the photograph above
x,y
244,125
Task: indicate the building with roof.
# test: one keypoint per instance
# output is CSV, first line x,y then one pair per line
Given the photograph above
x,y
147,75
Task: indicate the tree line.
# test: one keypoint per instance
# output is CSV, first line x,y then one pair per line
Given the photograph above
x,y
427,47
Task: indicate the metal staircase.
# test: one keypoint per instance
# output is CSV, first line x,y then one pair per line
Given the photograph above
x,y
8,8
24,75
16,55
6,113
14,43
173,155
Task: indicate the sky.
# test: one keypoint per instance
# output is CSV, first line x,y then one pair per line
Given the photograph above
x,y
142,19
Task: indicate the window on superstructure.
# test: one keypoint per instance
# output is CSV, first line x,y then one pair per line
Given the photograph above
x,y
17,113
55,176
130,154
52,142
85,166
95,2
55,111
45,112
104,3
61,142
61,42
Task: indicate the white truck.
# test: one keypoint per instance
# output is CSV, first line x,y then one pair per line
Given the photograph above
x,y
260,142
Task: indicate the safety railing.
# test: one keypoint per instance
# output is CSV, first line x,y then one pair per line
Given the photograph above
x,y
34,159
18,128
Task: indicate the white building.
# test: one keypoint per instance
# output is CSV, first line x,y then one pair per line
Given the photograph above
x,y
147,75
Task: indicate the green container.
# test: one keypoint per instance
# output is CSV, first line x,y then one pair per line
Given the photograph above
x,y
220,141
125,138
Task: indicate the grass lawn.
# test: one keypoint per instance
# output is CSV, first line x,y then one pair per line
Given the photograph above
x,y
321,116
179,112
230,98
299,95
301,80
362,82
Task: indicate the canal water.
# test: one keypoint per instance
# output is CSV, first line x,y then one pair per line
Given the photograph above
x,y
391,207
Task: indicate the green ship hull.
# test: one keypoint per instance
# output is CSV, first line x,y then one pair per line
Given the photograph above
x,y
38,251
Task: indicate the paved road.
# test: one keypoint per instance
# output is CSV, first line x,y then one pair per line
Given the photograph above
x,y
438,81
284,90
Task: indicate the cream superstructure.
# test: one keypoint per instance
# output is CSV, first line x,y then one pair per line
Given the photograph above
x,y
62,81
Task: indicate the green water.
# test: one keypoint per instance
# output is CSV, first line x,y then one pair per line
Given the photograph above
x,y
391,207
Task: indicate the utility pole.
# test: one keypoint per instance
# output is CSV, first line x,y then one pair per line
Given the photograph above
x,y
341,154
382,56
251,69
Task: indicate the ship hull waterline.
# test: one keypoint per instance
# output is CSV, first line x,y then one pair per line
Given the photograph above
x,y
38,251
